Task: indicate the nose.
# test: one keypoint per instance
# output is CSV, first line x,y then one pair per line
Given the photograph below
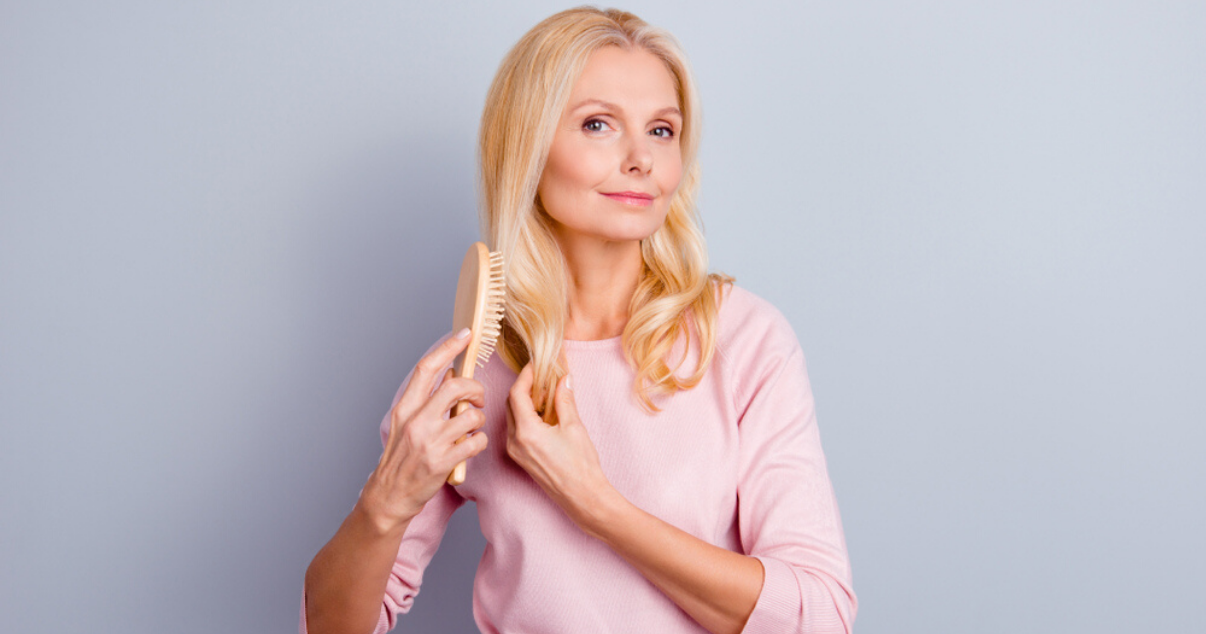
x,y
639,159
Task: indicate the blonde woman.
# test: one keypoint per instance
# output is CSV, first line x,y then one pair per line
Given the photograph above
x,y
643,454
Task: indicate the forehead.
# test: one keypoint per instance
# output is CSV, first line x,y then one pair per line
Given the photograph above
x,y
632,78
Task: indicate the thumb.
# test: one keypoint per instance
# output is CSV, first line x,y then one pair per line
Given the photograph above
x,y
567,409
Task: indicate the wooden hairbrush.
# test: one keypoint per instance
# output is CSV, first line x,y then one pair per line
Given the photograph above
x,y
480,295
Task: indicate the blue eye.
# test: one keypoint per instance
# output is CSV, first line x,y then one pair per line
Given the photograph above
x,y
595,125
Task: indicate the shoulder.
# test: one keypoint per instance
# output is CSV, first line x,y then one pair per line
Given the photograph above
x,y
754,339
748,321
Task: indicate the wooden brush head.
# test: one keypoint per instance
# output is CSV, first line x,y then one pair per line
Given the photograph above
x,y
479,306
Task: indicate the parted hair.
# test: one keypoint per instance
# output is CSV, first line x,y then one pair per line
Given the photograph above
x,y
676,295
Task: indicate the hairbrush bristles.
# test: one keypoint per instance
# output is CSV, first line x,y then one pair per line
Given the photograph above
x,y
493,312
480,294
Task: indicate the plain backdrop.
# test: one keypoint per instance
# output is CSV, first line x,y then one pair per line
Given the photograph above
x,y
228,230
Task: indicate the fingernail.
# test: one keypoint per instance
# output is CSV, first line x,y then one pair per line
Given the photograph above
x,y
567,383
463,333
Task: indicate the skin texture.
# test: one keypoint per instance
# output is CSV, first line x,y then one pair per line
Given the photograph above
x,y
618,134
347,578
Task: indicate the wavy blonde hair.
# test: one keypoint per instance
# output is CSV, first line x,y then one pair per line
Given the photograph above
x,y
675,296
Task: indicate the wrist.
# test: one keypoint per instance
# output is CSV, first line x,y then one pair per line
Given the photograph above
x,y
380,524
382,519
602,514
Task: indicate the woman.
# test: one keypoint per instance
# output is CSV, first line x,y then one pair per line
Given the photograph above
x,y
682,487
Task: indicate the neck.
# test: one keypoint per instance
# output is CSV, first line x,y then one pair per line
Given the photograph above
x,y
603,276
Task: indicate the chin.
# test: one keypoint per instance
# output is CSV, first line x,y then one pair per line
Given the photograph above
x,y
610,226
631,233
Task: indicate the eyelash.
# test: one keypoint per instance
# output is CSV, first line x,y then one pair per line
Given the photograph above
x,y
669,132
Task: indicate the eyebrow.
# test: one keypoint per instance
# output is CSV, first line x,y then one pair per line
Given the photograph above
x,y
611,106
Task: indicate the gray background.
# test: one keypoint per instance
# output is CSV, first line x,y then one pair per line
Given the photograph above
x,y
229,229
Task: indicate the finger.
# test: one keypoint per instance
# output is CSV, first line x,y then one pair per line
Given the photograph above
x,y
461,424
453,391
448,376
521,390
519,399
510,420
427,370
466,449
567,409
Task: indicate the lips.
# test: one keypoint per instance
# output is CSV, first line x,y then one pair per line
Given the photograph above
x,y
636,199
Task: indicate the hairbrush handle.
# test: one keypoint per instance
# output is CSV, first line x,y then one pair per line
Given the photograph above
x,y
479,307
457,477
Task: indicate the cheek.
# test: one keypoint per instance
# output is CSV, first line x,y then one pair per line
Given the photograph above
x,y
573,170
671,174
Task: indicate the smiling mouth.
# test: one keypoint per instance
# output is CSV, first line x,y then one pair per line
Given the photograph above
x,y
635,199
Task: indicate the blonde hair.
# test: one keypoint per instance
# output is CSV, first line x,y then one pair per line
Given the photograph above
x,y
676,294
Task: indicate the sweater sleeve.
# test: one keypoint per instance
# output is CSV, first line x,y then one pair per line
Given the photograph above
x,y
787,511
419,543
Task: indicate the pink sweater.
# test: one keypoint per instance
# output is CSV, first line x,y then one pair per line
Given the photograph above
x,y
736,462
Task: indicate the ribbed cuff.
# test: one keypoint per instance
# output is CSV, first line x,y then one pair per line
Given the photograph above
x,y
778,609
301,627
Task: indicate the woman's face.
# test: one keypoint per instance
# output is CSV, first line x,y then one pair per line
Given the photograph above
x,y
615,161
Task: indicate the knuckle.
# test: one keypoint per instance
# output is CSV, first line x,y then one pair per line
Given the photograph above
x,y
439,393
413,437
467,388
397,433
430,466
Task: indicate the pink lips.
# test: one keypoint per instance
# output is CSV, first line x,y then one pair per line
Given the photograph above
x,y
635,199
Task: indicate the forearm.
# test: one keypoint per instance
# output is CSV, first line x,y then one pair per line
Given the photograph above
x,y
346,580
716,587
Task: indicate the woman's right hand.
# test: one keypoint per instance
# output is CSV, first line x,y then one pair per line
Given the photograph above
x,y
422,448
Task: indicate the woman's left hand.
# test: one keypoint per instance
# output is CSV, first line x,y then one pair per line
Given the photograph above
x,y
560,458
